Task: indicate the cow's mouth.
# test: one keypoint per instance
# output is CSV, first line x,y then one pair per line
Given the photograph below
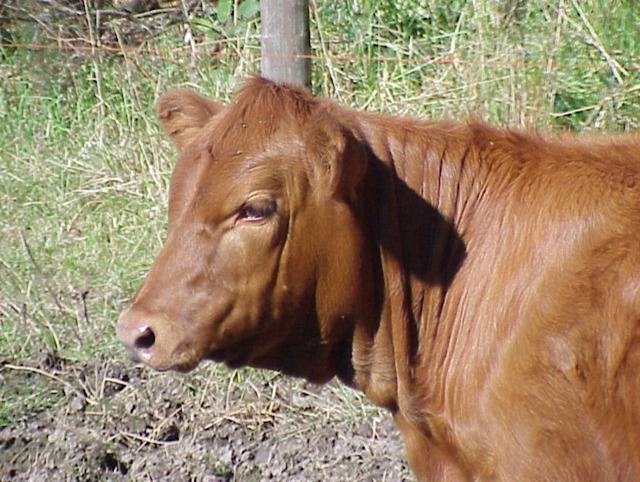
x,y
181,366
229,357
242,352
234,355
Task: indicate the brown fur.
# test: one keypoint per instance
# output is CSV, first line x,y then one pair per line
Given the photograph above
x,y
482,284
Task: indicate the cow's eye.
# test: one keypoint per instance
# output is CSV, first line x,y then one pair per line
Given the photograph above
x,y
256,210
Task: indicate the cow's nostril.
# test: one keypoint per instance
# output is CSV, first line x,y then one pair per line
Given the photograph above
x,y
146,339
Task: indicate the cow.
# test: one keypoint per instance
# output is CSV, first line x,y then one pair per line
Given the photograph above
x,y
481,284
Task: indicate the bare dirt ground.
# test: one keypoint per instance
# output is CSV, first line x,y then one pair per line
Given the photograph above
x,y
108,420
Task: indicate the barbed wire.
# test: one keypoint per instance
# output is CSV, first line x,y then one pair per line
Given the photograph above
x,y
188,51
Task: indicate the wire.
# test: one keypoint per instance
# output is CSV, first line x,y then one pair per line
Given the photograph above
x,y
187,52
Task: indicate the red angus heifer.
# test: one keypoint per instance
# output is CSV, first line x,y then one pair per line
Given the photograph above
x,y
482,284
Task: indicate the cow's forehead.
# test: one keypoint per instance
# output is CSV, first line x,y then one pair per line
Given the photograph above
x,y
239,160
238,143
251,138
259,111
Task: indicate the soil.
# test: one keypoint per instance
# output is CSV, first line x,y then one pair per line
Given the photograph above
x,y
109,420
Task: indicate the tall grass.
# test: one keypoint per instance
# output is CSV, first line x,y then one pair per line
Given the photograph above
x,y
84,170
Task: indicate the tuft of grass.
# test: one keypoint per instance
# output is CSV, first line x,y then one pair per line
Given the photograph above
x,y
26,398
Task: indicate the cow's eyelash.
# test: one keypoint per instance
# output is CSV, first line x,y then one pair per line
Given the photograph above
x,y
257,210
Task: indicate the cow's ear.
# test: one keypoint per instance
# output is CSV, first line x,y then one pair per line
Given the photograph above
x,y
182,113
343,158
349,167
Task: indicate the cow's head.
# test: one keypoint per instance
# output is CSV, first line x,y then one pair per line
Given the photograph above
x,y
266,259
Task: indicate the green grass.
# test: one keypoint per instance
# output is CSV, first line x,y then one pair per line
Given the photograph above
x,y
84,169
35,395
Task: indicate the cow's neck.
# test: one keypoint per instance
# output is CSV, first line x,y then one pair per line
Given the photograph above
x,y
422,184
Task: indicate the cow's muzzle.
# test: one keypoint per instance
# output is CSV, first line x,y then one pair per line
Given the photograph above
x,y
148,339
